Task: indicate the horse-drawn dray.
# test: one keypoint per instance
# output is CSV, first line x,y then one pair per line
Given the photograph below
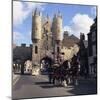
x,y
63,74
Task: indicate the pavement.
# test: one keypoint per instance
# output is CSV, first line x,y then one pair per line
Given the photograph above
x,y
15,78
28,86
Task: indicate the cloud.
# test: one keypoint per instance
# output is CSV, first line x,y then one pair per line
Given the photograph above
x,y
19,14
31,6
21,10
79,23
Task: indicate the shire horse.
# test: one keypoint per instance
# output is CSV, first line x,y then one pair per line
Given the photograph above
x,y
74,70
60,74
64,75
69,74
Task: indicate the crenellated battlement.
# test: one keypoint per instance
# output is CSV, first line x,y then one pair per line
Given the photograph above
x,y
24,45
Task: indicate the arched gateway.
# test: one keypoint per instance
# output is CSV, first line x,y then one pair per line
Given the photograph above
x,y
45,38
45,63
47,43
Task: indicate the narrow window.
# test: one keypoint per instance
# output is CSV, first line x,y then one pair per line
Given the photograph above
x,y
58,49
36,49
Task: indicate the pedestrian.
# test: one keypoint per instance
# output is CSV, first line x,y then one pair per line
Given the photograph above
x,y
50,72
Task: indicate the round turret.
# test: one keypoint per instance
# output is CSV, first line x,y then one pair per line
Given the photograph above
x,y
58,29
36,26
54,25
57,26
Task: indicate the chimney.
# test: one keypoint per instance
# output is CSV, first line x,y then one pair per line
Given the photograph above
x,y
30,45
82,36
23,45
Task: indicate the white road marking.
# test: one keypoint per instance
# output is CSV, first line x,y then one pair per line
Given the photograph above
x,y
15,80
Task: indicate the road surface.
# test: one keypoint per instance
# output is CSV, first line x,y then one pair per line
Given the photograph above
x,y
28,86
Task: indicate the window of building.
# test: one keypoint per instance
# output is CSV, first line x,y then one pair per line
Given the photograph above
x,y
58,49
90,45
93,36
47,47
94,50
36,49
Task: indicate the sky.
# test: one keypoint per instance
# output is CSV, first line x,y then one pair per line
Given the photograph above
x,y
76,18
